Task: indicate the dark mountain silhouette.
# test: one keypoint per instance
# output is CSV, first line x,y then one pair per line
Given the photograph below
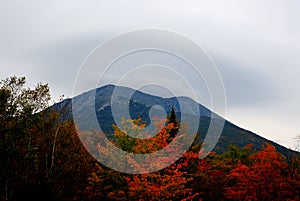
x,y
139,106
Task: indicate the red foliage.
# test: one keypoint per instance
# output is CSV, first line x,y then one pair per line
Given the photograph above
x,y
238,174
264,179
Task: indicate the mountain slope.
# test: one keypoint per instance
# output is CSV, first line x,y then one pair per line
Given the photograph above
x,y
140,105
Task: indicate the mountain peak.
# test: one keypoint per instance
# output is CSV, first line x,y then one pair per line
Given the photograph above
x,y
140,104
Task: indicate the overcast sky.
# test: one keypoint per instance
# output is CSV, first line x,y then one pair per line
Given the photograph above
x,y
255,45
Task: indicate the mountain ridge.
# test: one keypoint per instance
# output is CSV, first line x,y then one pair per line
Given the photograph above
x,y
139,106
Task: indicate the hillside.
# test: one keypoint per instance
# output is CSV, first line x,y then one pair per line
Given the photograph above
x,y
139,106
44,156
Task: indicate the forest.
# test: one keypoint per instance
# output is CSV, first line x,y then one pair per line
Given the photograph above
x,y
42,158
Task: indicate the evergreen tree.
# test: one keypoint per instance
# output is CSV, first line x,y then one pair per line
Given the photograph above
x,y
172,121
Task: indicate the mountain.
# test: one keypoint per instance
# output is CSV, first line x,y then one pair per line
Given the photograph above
x,y
98,102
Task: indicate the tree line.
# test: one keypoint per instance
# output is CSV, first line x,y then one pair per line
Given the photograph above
x,y
42,158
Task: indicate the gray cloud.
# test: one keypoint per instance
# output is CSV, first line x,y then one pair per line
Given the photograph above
x,y
255,44
245,86
60,60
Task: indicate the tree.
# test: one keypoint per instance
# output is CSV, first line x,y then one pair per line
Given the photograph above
x,y
170,183
42,157
66,162
172,120
297,143
264,179
18,108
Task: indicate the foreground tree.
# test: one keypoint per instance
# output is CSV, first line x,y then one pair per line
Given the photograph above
x,y
170,183
212,178
18,106
266,178
42,157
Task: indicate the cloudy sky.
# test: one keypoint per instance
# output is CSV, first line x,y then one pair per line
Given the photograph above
x,y
254,44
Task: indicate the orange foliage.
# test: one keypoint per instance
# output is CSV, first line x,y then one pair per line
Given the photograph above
x,y
265,179
238,174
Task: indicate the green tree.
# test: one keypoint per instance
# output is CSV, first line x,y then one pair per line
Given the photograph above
x,y
172,120
18,108
42,157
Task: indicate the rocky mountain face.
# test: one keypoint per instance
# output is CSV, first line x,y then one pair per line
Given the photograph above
x,y
102,103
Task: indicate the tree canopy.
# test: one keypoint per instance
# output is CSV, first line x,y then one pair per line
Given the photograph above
x,y
42,158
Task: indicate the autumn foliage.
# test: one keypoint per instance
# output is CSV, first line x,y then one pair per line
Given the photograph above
x,y
267,177
42,158
238,174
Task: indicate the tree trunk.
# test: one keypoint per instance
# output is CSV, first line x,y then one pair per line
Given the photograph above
x,y
53,151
